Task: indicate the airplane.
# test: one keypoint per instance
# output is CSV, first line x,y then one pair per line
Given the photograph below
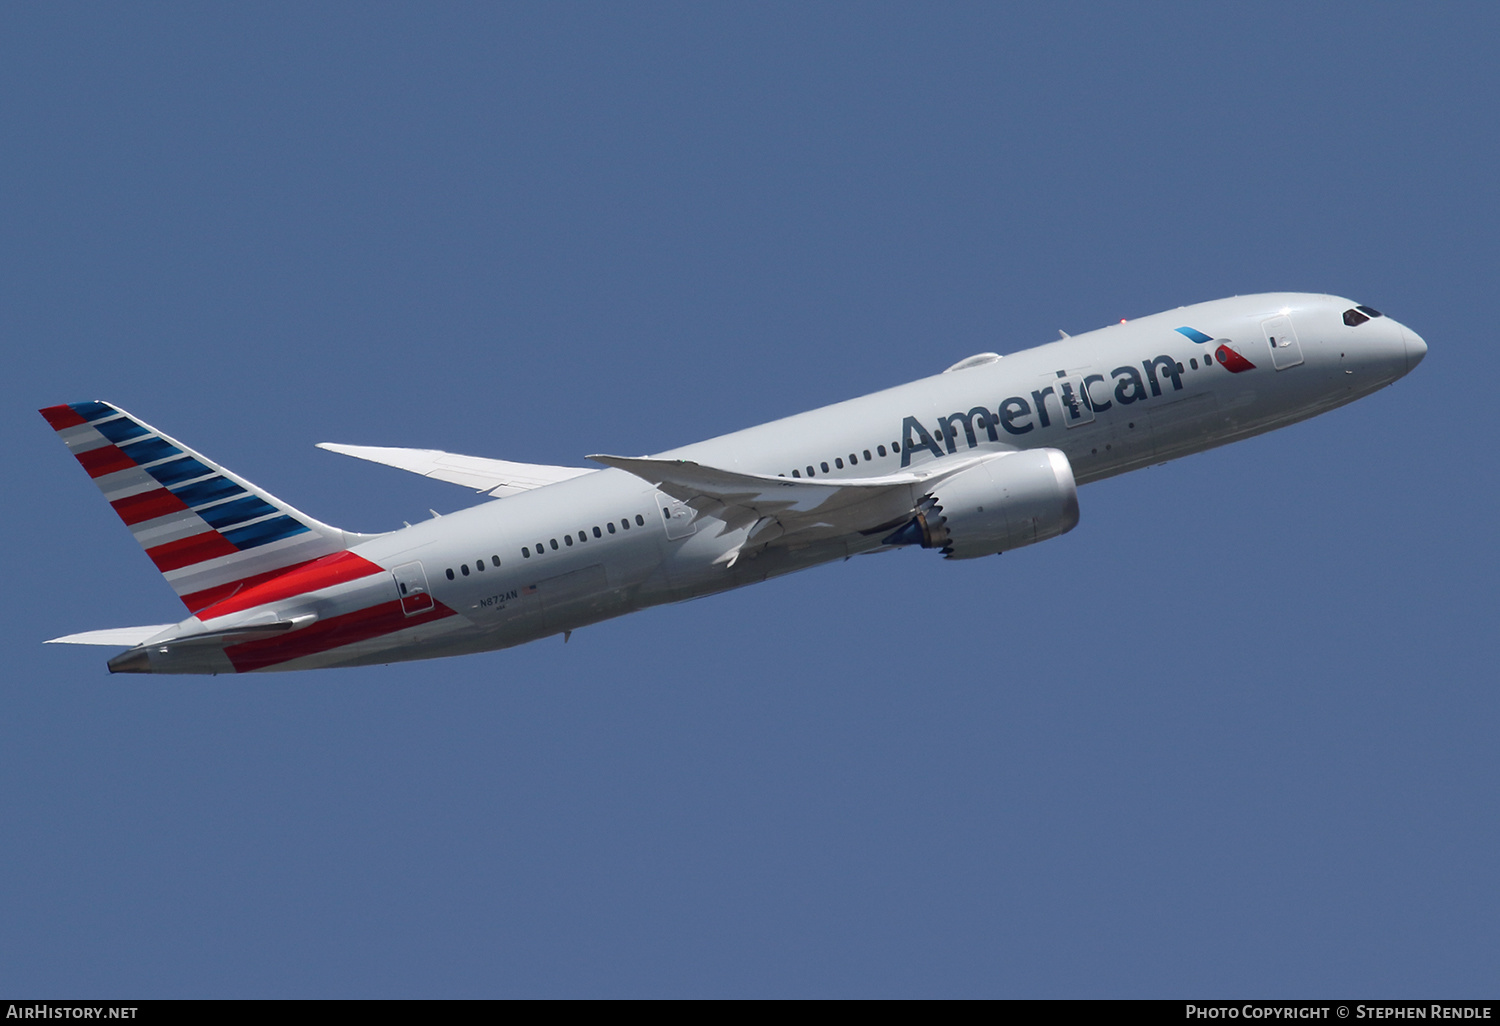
x,y
980,459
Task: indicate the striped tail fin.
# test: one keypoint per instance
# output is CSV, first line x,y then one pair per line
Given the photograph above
x,y
210,532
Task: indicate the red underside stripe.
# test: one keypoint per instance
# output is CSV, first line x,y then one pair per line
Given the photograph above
x,y
148,506
187,551
62,417
208,596
104,460
361,625
309,577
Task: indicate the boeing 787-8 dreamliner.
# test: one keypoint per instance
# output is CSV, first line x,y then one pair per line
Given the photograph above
x,y
980,459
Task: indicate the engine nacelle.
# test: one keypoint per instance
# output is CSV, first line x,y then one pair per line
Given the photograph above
x,y
1003,503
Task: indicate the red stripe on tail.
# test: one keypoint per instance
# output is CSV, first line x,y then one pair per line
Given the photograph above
x,y
187,551
135,509
208,596
309,577
62,417
104,460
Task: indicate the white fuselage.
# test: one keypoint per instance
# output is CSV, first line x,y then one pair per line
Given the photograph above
x,y
558,557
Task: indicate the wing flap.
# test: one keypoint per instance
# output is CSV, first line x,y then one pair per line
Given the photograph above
x,y
497,477
779,508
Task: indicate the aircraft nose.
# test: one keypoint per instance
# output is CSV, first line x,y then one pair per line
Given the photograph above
x,y
1415,348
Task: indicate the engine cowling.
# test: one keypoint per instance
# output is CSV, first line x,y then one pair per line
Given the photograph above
x,y
1017,499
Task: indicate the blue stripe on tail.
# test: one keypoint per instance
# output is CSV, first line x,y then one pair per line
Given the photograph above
x,y
236,511
150,450
200,492
264,532
120,430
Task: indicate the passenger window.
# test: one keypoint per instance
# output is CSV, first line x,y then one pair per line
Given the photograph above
x,y
611,527
640,520
895,447
810,472
450,573
838,462
1208,358
598,533
567,539
495,560
583,536
880,449
625,524
464,569
1194,363
867,456
824,466
525,552
479,563
796,473
554,544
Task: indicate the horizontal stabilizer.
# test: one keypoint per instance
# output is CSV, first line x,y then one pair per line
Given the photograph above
x,y
257,628
116,637
129,637
497,477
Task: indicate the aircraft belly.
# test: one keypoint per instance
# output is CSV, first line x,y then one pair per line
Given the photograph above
x,y
1184,425
567,600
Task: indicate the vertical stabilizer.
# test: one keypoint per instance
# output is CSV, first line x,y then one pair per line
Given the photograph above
x,y
210,532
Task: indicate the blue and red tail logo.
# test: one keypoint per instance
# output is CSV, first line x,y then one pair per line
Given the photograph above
x,y
1232,361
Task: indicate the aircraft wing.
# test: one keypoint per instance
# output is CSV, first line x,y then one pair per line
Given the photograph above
x,y
774,508
497,477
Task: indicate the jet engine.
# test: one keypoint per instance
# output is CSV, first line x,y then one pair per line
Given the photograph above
x,y
1003,503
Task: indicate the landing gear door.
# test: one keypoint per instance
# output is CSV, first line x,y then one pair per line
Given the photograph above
x,y
411,586
1286,351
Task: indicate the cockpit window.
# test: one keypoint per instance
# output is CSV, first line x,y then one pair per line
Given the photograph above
x,y
1354,318
1369,311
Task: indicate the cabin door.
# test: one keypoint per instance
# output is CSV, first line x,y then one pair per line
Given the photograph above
x,y
676,517
1286,351
411,586
1077,406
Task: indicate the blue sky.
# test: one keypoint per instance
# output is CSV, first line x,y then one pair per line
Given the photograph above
x,y
1234,735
